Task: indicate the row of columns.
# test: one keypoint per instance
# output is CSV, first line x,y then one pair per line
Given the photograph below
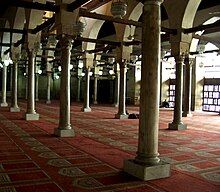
x,y
147,164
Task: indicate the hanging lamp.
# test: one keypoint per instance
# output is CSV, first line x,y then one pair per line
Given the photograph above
x,y
119,8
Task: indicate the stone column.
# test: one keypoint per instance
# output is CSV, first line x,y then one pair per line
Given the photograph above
x,y
48,101
86,107
36,86
188,89
177,123
31,113
117,87
95,89
78,88
147,165
4,86
122,93
14,96
65,129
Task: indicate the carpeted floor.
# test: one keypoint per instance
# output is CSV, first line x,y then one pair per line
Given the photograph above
x,y
32,159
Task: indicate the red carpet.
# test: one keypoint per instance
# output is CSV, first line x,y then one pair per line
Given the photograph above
x,y
33,159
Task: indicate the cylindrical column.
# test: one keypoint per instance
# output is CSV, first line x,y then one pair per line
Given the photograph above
x,y
48,101
122,93
95,89
4,86
36,86
188,89
14,99
86,107
65,129
31,113
147,165
177,123
117,87
78,88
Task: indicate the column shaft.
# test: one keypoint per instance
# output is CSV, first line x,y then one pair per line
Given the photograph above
x,y
95,89
122,93
117,87
177,123
14,99
147,165
65,129
48,101
78,88
31,113
188,84
4,86
86,107
36,86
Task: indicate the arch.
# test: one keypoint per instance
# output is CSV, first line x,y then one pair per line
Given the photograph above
x,y
190,13
93,34
6,38
34,18
19,22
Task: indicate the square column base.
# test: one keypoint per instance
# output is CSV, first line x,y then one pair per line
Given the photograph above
x,y
144,172
87,109
121,116
187,115
115,105
4,104
64,132
48,102
180,126
31,117
14,109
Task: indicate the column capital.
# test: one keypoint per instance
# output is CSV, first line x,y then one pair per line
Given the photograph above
x,y
66,42
153,2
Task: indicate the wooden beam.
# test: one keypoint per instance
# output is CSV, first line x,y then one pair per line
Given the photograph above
x,y
43,25
8,30
203,27
5,44
76,4
85,13
99,41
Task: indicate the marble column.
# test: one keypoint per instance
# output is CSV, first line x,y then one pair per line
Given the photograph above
x,y
31,113
147,165
78,88
26,87
48,101
188,89
14,96
122,93
4,86
86,107
117,87
95,89
65,128
36,86
177,123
